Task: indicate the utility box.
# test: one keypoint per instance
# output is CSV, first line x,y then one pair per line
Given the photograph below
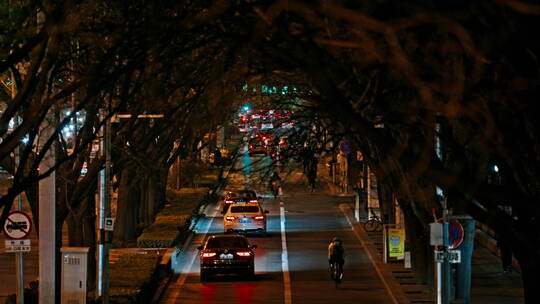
x,y
74,274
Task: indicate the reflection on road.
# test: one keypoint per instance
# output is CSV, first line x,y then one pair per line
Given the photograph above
x,y
255,170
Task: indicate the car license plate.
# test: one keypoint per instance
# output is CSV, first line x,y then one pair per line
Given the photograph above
x,y
245,220
226,256
240,202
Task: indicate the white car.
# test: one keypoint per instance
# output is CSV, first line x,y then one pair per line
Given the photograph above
x,y
249,217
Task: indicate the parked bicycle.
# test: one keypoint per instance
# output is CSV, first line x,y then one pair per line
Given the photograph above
x,y
373,224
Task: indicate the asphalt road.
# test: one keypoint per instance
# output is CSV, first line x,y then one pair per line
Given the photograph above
x,y
291,264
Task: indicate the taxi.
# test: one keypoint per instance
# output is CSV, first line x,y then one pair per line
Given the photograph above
x,y
239,197
248,217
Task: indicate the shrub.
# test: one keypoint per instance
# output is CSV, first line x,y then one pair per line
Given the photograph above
x,y
164,232
134,277
173,219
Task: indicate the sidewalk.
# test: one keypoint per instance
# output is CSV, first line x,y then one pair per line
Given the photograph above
x,y
489,283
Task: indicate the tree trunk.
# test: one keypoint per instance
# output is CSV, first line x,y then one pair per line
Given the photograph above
x,y
386,203
128,207
421,251
75,230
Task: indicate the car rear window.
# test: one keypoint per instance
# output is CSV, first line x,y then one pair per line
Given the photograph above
x,y
227,243
244,209
247,194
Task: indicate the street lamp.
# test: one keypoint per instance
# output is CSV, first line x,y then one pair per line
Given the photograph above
x,y
105,218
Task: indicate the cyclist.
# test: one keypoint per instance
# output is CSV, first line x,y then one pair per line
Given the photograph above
x,y
336,251
275,183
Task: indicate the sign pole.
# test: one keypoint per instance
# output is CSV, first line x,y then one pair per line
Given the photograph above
x,y
20,266
20,255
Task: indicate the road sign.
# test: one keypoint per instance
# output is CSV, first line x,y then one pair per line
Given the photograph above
x,y
18,225
109,224
439,256
345,146
455,233
18,245
454,256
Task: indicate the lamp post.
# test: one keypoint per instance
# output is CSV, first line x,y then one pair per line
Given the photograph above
x,y
105,191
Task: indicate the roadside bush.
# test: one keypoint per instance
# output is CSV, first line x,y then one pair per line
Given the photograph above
x,y
164,232
134,278
172,220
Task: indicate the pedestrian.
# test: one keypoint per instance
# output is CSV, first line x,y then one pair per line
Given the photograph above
x,y
505,248
217,157
312,172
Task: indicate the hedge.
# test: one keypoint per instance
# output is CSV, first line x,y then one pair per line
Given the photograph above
x,y
173,219
133,278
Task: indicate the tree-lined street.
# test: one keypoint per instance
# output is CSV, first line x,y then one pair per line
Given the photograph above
x,y
291,264
424,109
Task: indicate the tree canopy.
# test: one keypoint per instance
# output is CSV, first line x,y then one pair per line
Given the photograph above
x,y
461,73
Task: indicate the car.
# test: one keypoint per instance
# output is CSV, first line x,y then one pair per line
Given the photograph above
x,y
248,217
239,197
257,146
227,254
266,125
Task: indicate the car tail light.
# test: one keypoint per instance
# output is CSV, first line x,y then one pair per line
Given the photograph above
x,y
253,201
208,254
259,217
230,218
243,253
251,146
229,201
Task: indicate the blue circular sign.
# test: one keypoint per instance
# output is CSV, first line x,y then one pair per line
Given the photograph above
x,y
345,146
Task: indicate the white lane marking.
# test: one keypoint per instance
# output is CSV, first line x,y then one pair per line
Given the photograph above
x,y
185,271
381,277
285,258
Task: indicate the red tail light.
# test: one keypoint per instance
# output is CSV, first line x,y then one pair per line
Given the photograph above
x,y
243,253
253,201
259,217
208,254
230,218
229,201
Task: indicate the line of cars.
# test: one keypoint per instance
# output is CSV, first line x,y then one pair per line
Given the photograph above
x,y
232,253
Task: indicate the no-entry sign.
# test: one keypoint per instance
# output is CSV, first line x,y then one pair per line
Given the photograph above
x,y
18,225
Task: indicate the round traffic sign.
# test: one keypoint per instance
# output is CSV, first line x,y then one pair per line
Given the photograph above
x,y
455,233
345,146
18,225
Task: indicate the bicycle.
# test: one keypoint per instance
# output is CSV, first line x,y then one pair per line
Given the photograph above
x,y
373,224
274,187
336,272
